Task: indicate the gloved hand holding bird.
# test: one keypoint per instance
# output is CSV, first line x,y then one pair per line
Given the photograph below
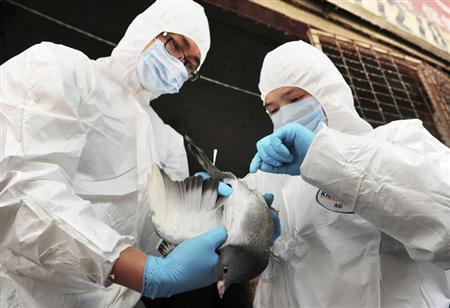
x,y
181,210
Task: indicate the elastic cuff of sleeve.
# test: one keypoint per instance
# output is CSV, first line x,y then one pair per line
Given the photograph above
x,y
329,165
123,244
151,283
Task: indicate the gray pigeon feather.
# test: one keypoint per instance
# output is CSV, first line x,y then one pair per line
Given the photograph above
x,y
183,209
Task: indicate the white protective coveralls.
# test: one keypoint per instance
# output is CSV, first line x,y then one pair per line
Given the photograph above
x,y
78,139
393,250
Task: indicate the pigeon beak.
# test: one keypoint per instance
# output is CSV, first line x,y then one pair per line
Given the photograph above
x,y
221,288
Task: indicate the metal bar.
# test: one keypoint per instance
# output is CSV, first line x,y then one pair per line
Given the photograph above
x,y
370,83
370,73
377,47
373,67
398,76
375,54
350,78
404,87
425,100
440,97
370,66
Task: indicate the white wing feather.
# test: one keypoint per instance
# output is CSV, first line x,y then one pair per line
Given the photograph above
x,y
183,209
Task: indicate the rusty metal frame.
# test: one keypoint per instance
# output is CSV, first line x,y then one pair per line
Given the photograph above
x,y
429,76
313,35
400,74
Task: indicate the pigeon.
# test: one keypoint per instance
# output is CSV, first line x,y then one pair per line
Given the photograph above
x,y
184,209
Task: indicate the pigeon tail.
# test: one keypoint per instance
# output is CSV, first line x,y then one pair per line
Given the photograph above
x,y
204,161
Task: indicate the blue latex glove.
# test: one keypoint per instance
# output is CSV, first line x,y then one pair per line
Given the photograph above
x,y
223,189
283,151
276,220
189,266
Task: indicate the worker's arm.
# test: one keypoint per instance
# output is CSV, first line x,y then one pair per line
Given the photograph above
x,y
189,266
128,270
397,177
44,223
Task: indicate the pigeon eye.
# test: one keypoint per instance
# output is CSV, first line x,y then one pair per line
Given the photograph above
x,y
225,270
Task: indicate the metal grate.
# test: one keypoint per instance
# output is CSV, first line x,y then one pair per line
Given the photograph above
x,y
437,84
385,86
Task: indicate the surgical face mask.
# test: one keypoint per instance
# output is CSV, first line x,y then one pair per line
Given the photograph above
x,y
160,72
307,112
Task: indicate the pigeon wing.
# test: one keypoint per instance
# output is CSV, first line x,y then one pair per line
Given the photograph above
x,y
183,209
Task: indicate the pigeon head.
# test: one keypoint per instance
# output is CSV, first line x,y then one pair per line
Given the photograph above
x,y
237,264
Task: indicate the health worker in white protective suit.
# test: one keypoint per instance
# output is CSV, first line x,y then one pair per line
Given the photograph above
x,y
78,139
367,224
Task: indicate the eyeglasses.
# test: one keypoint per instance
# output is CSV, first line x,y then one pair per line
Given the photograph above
x,y
177,51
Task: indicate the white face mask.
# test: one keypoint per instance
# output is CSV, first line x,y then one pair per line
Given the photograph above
x,y
160,72
307,112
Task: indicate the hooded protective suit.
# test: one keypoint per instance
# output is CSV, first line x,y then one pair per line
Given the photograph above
x,y
77,141
393,250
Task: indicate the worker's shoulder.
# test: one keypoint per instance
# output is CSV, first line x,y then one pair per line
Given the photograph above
x,y
53,48
47,53
51,71
48,59
51,53
53,65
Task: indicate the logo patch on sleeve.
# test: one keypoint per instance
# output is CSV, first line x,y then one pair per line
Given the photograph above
x,y
330,203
